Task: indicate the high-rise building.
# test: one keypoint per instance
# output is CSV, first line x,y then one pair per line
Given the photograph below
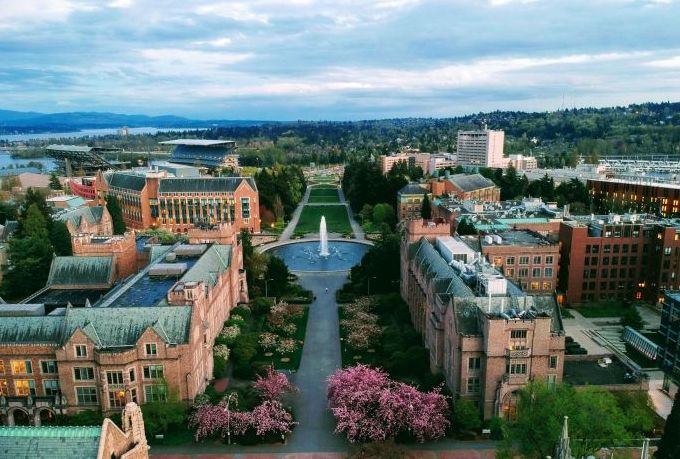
x,y
670,330
481,148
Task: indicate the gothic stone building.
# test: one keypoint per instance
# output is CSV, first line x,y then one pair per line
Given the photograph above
x,y
483,333
147,337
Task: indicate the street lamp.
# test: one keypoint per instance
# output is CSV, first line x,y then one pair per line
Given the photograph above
x,y
231,394
266,291
369,285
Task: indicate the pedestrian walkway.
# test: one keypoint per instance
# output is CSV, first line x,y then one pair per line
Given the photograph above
x,y
288,232
415,454
356,227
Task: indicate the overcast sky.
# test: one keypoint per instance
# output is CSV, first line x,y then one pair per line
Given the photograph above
x,y
335,59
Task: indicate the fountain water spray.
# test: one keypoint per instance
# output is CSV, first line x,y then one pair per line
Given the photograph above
x,y
323,236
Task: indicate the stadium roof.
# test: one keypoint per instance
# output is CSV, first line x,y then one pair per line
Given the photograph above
x,y
197,142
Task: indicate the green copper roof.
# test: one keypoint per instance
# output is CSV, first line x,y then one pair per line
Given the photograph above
x,y
203,184
112,327
31,330
81,271
91,214
50,442
212,263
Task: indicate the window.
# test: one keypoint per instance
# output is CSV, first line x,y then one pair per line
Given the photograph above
x,y
548,272
537,259
547,285
155,393
81,350
153,372
518,334
245,207
510,260
549,259
523,272
83,373
596,249
553,361
150,348
24,387
114,377
133,395
132,374
518,369
473,385
617,248
2,367
21,367
605,261
3,387
552,381
667,251
510,272
536,272
497,261
524,260
474,363
535,285
48,367
51,387
86,395
607,248
115,400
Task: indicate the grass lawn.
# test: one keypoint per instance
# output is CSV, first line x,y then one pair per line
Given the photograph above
x,y
566,314
336,220
294,358
324,194
597,310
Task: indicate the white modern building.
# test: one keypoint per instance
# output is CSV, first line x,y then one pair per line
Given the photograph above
x,y
481,148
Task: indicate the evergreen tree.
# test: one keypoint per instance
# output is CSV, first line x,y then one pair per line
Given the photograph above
x,y
113,206
55,184
277,271
61,239
669,447
426,208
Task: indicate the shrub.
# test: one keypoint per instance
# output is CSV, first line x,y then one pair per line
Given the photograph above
x,y
242,310
219,366
465,416
286,346
261,306
497,427
268,341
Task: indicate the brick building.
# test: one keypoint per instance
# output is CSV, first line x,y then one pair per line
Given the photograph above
x,y
525,257
670,330
91,220
648,197
155,199
628,257
122,248
145,338
410,201
466,187
484,334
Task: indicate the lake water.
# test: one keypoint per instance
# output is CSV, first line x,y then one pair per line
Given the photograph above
x,y
5,161
86,133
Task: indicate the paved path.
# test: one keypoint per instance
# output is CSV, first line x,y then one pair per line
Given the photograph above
x,y
288,232
356,227
414,454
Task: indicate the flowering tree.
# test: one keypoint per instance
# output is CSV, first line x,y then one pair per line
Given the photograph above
x,y
271,418
214,420
368,406
273,385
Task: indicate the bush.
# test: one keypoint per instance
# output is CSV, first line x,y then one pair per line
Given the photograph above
x,y
219,367
83,418
465,416
159,417
261,306
243,311
632,318
497,427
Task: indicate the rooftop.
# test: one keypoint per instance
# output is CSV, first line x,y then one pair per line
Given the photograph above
x,y
50,442
414,188
516,238
470,182
77,271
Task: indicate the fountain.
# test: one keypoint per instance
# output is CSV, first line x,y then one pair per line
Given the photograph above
x,y
323,238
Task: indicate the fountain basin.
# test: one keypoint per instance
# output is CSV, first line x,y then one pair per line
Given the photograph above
x,y
304,256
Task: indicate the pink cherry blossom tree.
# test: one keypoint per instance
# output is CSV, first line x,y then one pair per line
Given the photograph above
x,y
368,406
271,418
274,385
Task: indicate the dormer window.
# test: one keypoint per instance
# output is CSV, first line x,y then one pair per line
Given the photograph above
x,y
81,350
151,349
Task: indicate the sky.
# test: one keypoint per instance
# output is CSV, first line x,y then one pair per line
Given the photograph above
x,y
335,59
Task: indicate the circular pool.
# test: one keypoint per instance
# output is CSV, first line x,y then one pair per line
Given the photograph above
x,y
304,256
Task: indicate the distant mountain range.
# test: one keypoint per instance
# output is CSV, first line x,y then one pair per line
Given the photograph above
x,y
21,122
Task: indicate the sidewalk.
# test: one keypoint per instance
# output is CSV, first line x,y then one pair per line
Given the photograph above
x,y
415,454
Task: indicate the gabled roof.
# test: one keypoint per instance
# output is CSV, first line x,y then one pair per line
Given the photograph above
x,y
434,266
92,215
10,227
81,271
203,184
126,181
208,268
50,442
31,330
470,182
119,327
413,188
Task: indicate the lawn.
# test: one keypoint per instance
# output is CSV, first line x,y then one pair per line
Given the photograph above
x,y
321,195
602,309
336,220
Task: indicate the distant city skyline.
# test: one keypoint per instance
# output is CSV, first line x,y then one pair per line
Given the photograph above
x,y
333,60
